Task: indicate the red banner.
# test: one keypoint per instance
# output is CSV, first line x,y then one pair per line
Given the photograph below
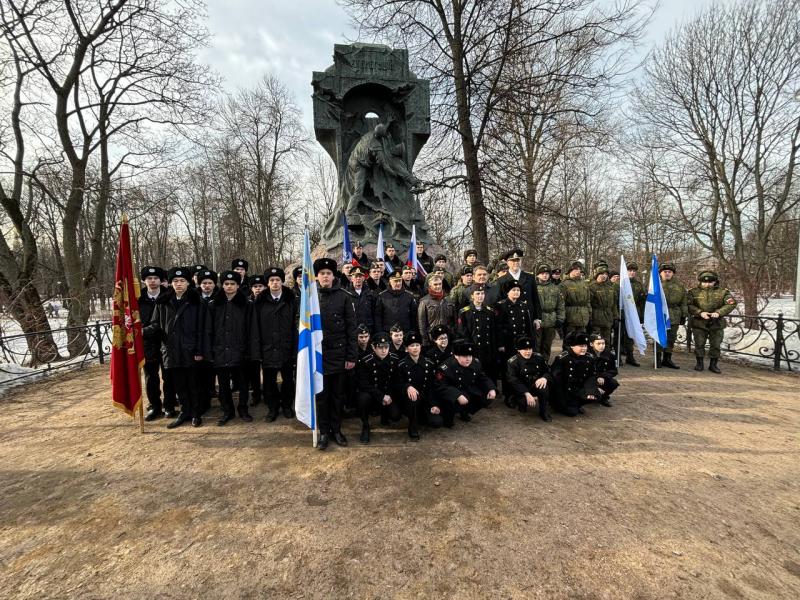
x,y
127,351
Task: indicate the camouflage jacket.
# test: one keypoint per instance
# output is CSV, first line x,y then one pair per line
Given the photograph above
x,y
577,301
605,308
675,294
552,304
716,299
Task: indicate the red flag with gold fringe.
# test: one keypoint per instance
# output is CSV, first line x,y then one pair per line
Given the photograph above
x,y
127,349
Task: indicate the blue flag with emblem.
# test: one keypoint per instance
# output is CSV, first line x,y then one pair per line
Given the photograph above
x,y
347,249
309,346
656,310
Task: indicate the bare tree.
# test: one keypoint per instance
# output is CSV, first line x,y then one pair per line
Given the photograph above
x,y
719,132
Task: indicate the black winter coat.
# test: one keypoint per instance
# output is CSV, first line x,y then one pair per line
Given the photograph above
x,y
183,327
527,284
453,380
396,306
375,376
513,321
521,373
274,334
338,315
365,306
152,341
231,325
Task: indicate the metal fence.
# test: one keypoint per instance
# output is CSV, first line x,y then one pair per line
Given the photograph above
x,y
15,351
775,341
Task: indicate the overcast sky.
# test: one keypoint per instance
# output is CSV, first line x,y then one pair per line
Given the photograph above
x,y
290,39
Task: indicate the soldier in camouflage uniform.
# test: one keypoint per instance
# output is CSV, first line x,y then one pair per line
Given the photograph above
x,y
675,294
552,303
604,303
639,297
577,300
708,305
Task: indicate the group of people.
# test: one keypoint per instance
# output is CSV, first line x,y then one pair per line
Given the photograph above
x,y
399,345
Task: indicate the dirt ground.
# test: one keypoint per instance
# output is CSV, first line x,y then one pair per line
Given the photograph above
x,y
688,488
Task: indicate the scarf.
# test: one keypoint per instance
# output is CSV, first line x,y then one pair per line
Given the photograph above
x,y
436,295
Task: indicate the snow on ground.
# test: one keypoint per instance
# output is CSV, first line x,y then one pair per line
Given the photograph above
x,y
773,306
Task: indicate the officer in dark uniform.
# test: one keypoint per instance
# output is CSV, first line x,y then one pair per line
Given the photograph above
x,y
513,318
412,383
365,298
574,374
397,347
153,366
396,305
527,284
339,350
375,373
605,367
709,304
529,380
231,322
476,323
462,383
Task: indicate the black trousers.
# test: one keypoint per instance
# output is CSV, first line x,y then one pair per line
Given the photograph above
x,y
329,403
252,379
368,401
278,397
205,386
445,417
608,387
228,378
542,401
154,375
185,381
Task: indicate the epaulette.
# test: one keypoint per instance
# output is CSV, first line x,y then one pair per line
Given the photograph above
x,y
513,358
465,309
563,354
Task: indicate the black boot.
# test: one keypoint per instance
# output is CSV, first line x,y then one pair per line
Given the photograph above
x,y
179,420
244,414
630,360
699,364
364,439
322,442
712,366
667,361
226,416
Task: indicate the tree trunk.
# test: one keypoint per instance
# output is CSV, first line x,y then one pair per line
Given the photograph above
x,y
78,294
25,306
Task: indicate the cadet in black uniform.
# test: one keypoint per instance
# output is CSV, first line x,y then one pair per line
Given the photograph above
x,y
231,321
240,265
440,349
605,367
253,368
375,374
339,350
412,383
461,382
153,366
397,347
476,323
528,378
573,373
275,330
207,284
181,323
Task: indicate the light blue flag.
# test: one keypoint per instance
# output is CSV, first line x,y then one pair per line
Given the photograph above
x,y
627,307
379,253
309,346
656,310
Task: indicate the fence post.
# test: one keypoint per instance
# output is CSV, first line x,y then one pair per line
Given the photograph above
x,y
776,364
99,340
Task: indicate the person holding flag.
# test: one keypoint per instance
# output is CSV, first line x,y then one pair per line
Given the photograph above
x,y
380,253
417,258
339,346
656,311
675,294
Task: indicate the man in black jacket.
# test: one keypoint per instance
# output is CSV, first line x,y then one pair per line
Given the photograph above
x,y
153,367
364,297
527,284
339,350
275,339
231,322
396,306
181,323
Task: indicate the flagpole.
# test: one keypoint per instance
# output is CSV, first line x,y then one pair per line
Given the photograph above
x,y
655,355
141,416
619,339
